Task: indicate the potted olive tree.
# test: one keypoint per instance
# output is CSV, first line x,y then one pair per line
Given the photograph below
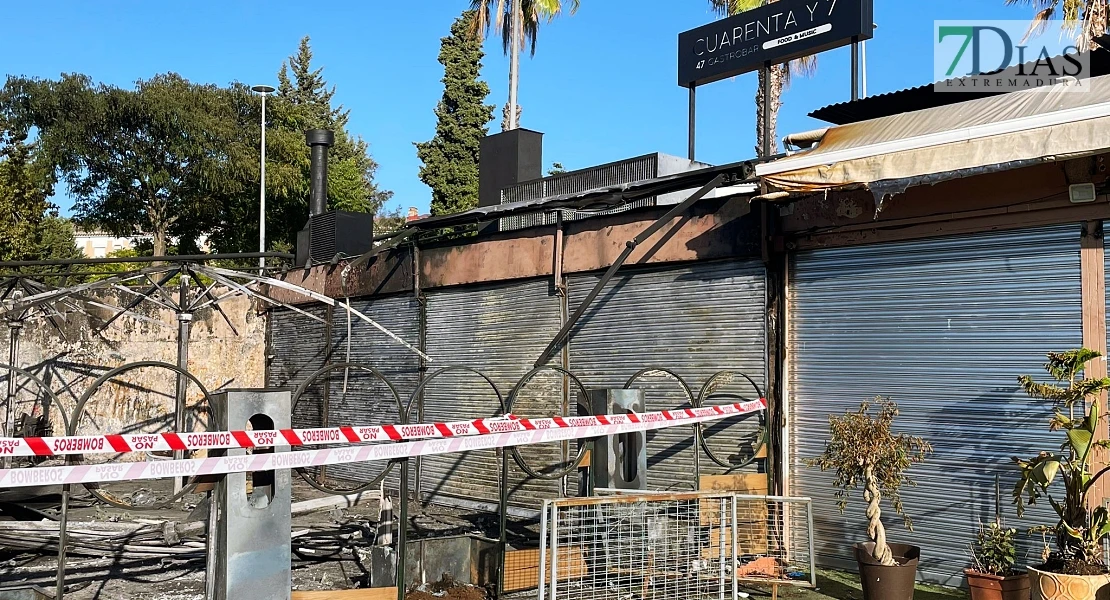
x,y
992,576
864,451
1076,569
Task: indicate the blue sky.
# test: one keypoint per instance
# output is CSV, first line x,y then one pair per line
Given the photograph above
x,y
601,85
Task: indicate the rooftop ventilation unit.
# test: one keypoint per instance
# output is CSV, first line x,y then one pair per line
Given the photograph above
x,y
648,166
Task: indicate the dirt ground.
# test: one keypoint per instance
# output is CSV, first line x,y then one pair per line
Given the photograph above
x,y
445,589
316,566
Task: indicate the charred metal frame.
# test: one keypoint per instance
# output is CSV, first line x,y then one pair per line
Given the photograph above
x,y
699,400
506,404
601,198
23,298
156,277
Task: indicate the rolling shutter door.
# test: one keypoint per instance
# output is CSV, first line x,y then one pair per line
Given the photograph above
x,y
695,320
298,347
499,330
944,327
359,398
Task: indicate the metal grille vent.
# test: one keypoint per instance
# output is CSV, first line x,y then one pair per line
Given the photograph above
x,y
322,238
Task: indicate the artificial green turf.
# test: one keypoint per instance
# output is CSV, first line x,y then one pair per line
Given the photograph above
x,y
841,585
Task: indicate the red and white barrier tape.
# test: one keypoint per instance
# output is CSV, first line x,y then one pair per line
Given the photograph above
x,y
604,425
222,440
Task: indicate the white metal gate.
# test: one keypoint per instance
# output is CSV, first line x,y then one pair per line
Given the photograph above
x,y
673,546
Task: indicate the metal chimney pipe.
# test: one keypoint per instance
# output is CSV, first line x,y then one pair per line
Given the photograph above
x,y
319,140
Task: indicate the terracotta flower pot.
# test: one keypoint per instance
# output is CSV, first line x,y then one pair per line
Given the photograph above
x,y
985,586
881,582
1057,586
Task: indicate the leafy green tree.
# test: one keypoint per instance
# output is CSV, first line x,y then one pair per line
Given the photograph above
x,y
173,158
351,183
57,239
30,228
388,221
24,191
1088,17
142,160
450,159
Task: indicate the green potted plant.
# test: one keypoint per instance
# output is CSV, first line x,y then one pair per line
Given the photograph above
x,y
1076,569
864,451
992,576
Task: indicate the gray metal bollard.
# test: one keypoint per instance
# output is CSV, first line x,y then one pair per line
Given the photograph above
x,y
252,555
619,461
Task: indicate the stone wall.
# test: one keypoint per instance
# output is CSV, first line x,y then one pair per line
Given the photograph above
x,y
70,355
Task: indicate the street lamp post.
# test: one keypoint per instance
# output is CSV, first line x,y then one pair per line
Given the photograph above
x,y
264,90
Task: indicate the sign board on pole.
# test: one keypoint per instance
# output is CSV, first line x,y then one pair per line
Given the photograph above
x,y
773,33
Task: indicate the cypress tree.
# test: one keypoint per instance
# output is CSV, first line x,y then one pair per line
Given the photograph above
x,y
304,100
451,157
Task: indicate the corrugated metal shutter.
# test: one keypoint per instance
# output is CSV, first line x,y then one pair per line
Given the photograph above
x,y
365,400
695,320
298,346
499,330
943,326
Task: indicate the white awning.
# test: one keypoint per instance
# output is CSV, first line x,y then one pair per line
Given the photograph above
x,y
951,141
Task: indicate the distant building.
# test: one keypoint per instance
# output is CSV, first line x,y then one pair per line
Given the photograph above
x,y
414,214
98,244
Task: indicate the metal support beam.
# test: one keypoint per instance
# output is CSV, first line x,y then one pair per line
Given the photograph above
x,y
502,519
402,530
422,343
416,292
561,292
14,328
63,540
184,324
629,247
692,125
557,255
155,286
855,69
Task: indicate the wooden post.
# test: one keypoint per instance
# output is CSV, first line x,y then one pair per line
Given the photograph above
x,y
1093,283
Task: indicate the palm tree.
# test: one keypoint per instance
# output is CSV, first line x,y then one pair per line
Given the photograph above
x,y
529,14
780,76
1092,13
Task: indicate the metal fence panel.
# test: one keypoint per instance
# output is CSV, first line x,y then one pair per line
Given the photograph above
x,y
677,546
944,326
